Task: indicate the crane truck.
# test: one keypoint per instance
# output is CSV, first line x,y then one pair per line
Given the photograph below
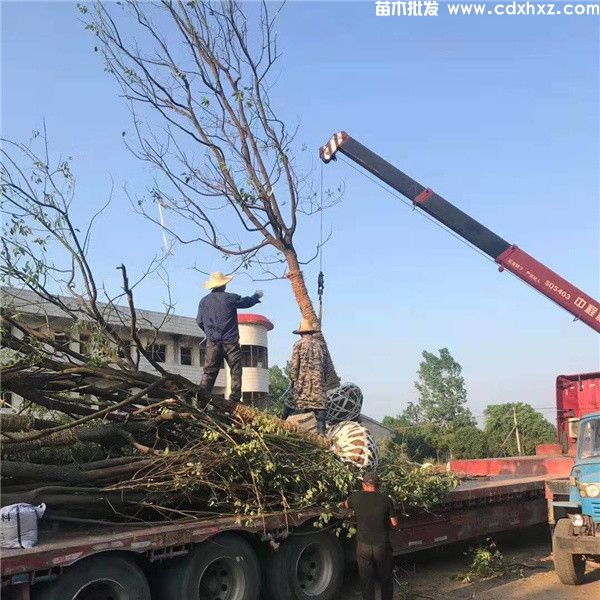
x,y
573,503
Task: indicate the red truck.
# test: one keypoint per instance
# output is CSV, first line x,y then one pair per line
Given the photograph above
x,y
576,396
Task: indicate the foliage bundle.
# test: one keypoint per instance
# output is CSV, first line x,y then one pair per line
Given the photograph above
x,y
134,443
412,486
486,561
97,441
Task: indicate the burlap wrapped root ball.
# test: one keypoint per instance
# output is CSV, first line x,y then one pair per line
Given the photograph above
x,y
344,403
354,444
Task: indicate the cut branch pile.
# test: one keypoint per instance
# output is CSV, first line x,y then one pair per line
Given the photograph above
x,y
101,441
94,441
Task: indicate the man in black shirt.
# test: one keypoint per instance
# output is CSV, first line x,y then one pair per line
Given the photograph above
x,y
375,516
217,317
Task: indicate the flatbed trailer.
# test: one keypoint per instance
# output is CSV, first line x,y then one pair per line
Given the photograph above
x,y
475,509
293,559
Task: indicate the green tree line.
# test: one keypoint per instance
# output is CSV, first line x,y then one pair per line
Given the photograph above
x,y
440,425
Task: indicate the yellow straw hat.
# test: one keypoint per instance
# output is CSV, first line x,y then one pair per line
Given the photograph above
x,y
307,326
216,280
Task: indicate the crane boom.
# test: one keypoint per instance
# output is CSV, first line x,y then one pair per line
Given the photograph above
x,y
508,256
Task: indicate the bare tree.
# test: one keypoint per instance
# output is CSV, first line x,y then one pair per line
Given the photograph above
x,y
197,76
44,251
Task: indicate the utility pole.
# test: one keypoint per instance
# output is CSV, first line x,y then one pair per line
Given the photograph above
x,y
519,450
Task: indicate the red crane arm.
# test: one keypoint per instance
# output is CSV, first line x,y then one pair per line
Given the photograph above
x,y
507,255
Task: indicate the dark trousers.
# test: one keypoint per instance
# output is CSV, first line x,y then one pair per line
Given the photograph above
x,y
375,563
215,352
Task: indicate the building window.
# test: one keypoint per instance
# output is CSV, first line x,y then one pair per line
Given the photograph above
x,y
7,399
257,399
262,359
246,356
61,340
84,344
186,355
125,351
255,356
158,352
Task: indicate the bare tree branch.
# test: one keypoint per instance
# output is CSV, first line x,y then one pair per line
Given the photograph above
x,y
203,118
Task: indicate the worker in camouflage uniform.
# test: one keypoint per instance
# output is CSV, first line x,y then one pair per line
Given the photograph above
x,y
308,374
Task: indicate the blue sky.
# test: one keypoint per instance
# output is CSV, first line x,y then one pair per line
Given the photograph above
x,y
498,115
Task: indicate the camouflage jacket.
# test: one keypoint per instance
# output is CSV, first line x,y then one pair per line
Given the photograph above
x,y
308,372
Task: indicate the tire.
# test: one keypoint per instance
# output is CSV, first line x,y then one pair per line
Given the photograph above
x,y
306,567
570,568
225,568
102,577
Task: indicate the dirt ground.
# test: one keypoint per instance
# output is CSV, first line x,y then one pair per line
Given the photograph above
x,y
435,574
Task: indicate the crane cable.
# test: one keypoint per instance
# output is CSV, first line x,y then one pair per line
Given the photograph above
x,y
321,277
410,204
421,213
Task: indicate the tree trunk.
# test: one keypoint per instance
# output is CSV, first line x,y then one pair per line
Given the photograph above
x,y
307,309
17,471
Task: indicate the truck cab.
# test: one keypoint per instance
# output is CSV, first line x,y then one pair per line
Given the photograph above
x,y
576,536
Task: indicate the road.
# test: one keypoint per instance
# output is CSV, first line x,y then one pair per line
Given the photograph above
x,y
436,574
545,586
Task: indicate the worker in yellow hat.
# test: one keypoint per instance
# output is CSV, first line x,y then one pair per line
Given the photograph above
x,y
308,374
217,317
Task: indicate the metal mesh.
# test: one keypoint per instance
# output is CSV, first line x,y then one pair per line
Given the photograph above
x,y
344,403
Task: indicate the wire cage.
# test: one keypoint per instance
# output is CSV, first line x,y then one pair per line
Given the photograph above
x,y
344,403
354,444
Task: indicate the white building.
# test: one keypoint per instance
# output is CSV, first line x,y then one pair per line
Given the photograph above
x,y
174,340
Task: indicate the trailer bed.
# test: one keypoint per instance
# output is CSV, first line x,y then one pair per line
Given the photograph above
x,y
477,507
63,547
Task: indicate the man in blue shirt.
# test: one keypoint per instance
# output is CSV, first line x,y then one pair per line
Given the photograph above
x,y
217,317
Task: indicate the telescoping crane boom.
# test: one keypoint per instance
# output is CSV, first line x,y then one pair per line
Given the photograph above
x,y
507,255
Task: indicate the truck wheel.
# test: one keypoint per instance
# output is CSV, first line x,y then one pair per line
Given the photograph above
x,y
306,567
225,568
103,577
569,567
